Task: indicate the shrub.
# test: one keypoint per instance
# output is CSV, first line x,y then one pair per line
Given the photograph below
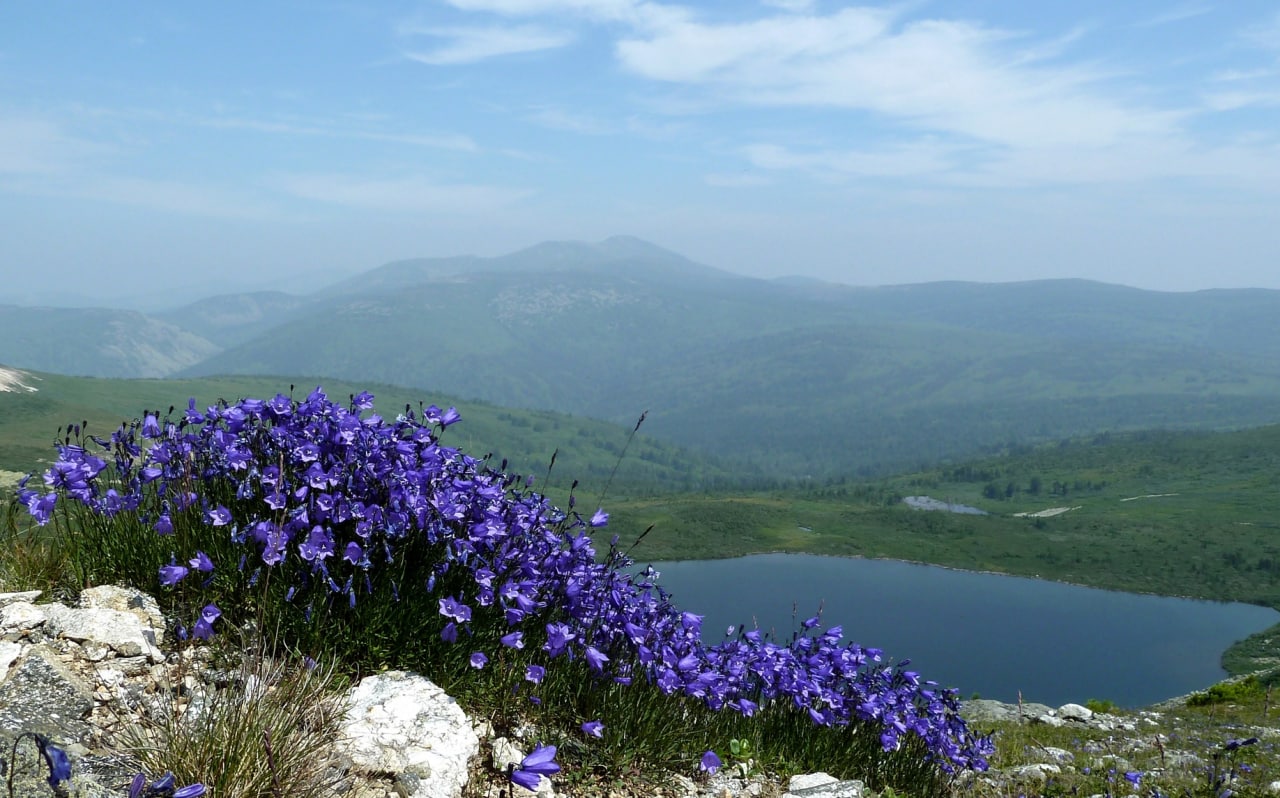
x,y
1246,689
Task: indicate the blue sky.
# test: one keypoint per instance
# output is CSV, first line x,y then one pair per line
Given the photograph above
x,y
157,149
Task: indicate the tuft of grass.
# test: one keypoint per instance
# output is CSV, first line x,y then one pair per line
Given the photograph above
x,y
266,729
32,558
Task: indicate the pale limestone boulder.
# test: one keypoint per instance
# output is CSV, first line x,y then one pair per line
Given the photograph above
x,y
21,616
130,600
1075,712
29,596
805,781
119,630
1037,772
402,723
823,785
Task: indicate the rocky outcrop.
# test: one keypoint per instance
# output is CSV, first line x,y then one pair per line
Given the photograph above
x,y
80,675
83,675
985,710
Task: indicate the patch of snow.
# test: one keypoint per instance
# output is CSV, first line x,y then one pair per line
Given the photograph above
x,y
1048,513
930,503
11,381
1148,496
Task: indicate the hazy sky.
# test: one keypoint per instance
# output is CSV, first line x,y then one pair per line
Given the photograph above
x,y
163,148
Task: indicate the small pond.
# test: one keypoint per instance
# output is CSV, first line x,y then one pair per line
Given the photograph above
x,y
982,633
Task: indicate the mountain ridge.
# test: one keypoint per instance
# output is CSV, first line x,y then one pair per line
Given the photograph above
x,y
799,376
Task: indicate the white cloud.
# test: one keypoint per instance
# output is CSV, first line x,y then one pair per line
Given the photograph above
x,y
604,9
34,145
1265,34
468,45
446,141
560,119
636,13
401,195
1235,100
794,6
950,77
975,105
1177,14
738,180
904,160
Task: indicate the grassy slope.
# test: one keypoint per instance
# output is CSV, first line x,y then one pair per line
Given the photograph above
x,y
588,449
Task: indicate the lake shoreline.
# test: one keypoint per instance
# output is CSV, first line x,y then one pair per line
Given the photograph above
x,y
985,621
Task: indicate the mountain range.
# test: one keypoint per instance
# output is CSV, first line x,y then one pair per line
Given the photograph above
x,y
796,377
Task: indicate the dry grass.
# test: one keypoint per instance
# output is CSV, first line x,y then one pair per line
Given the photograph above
x,y
266,728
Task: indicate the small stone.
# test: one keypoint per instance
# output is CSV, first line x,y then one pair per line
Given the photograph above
x,y
95,651
1038,772
505,754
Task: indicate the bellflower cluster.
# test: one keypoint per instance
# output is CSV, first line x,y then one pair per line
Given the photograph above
x,y
329,494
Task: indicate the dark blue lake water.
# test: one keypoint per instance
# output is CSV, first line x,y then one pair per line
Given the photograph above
x,y
983,633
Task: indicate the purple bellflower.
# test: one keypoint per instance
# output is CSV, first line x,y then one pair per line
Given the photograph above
x,y
539,763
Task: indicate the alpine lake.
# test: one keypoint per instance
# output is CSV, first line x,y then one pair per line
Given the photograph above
x,y
986,634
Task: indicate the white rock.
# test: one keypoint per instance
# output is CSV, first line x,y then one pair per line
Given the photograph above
x,y
806,780
95,651
685,787
1074,712
1050,720
505,754
120,630
399,722
29,596
1274,788
1037,772
9,652
21,616
127,599
823,785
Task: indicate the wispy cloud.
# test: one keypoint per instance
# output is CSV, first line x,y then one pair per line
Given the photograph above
x,y
736,180
447,141
903,160
1265,34
1177,14
794,6
570,121
466,45
167,197
945,76
604,9
36,145
401,195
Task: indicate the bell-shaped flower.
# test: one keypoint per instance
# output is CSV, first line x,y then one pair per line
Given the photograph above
x,y
539,763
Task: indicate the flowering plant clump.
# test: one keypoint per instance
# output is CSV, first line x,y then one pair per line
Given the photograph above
x,y
333,498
